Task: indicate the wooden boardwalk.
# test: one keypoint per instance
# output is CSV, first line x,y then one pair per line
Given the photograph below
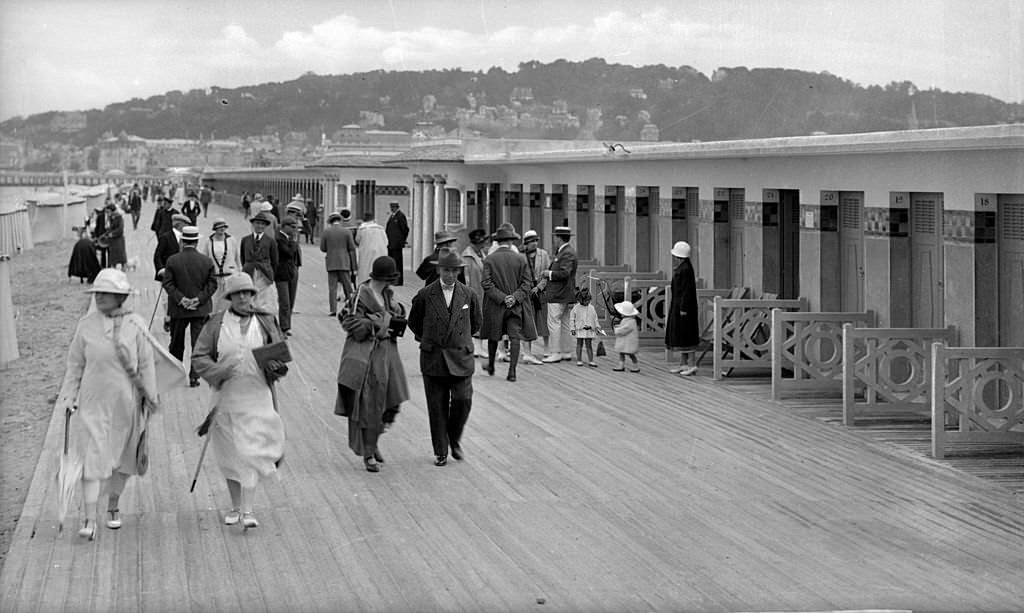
x,y
582,490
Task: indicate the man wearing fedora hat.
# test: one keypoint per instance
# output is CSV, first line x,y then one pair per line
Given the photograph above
x,y
507,309
258,253
397,230
162,222
340,258
427,270
444,317
560,294
190,283
286,274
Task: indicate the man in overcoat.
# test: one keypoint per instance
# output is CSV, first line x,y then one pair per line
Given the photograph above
x,y
168,244
162,218
286,275
560,294
444,317
340,249
190,284
507,309
397,230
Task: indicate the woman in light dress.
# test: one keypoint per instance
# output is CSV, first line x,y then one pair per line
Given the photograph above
x,y
110,387
246,432
222,248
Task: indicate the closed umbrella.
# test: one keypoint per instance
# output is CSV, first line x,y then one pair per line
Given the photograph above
x,y
68,476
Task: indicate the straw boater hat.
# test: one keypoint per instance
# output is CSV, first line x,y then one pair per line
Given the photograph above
x,y
298,198
681,249
190,233
563,231
110,281
335,216
443,237
182,218
626,308
384,269
238,282
447,258
530,235
219,223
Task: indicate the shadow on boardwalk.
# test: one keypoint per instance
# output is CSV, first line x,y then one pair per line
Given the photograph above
x,y
583,489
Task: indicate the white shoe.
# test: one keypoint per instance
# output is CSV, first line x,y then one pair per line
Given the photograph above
x,y
678,369
552,359
249,520
689,371
530,359
232,517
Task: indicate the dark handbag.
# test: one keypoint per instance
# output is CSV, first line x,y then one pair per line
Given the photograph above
x,y
397,326
600,349
535,299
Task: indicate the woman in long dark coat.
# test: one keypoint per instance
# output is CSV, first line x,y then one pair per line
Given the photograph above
x,y
371,380
83,263
682,327
117,256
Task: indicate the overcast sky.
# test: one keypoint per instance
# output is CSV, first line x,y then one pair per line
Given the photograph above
x,y
79,54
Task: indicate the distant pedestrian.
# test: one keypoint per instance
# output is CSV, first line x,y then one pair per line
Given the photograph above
x,y
192,208
397,230
162,217
473,258
286,274
506,309
371,380
135,207
245,429
340,258
310,220
427,270
627,336
444,317
113,238
190,285
98,225
539,260
205,197
246,202
682,327
258,253
584,326
371,243
560,294
83,263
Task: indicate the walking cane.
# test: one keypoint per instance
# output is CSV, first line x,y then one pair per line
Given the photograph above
x,y
156,305
199,466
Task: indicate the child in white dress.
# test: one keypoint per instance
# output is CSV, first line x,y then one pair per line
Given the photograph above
x,y
584,325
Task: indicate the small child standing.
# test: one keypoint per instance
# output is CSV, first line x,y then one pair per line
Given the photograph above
x,y
584,325
627,336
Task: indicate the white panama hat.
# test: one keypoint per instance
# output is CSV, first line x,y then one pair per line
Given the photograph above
x,y
110,281
681,249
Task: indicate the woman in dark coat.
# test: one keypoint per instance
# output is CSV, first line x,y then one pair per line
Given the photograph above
x,y
83,263
117,256
682,327
371,380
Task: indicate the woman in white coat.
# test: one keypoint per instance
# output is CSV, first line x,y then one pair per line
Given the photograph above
x,y
222,248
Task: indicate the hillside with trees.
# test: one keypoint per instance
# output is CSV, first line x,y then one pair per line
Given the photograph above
x,y
561,99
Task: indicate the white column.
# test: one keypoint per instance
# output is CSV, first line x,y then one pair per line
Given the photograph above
x,y
417,220
428,215
440,203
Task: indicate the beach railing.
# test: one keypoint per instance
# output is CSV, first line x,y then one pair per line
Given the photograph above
x,y
742,332
810,347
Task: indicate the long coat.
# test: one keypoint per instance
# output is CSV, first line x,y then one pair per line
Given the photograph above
x,y
339,246
371,243
445,334
561,288
507,273
162,220
189,274
166,246
289,258
397,230
541,262
473,271
682,327
114,236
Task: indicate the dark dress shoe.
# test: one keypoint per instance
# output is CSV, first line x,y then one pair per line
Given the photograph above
x,y
441,460
511,376
377,456
371,465
489,369
193,382
457,452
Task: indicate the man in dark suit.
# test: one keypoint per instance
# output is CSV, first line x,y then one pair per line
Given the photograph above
x,y
168,244
507,310
444,317
560,294
286,275
340,249
191,208
190,284
397,230
258,251
427,270
162,217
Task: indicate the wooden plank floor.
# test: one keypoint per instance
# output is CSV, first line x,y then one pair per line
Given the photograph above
x,y
583,489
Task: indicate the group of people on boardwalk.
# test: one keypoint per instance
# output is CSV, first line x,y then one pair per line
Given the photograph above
x,y
500,297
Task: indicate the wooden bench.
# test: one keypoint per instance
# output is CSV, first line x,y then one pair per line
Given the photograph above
x,y
980,392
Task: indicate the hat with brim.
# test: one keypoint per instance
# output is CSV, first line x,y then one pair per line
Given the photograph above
x,y
178,217
190,233
626,309
447,258
563,231
262,217
504,234
266,207
443,237
295,207
110,281
298,198
219,223
681,249
530,236
384,269
478,236
289,222
238,282
334,217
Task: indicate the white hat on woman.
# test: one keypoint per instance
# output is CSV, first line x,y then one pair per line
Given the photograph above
x,y
681,249
111,281
626,309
